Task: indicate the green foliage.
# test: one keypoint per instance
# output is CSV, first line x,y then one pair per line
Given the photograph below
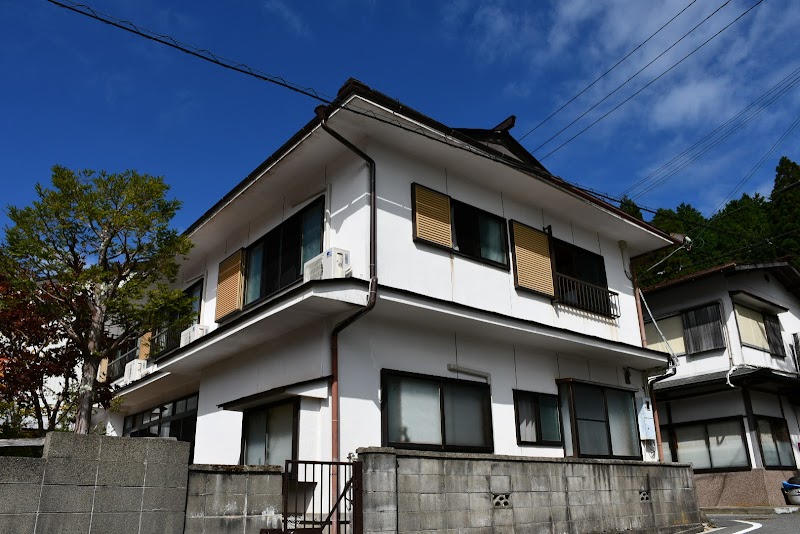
x,y
742,232
97,251
629,206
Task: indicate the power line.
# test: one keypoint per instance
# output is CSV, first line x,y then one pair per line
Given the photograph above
x,y
617,64
651,82
623,84
716,136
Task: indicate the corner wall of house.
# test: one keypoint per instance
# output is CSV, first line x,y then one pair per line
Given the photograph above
x,y
409,492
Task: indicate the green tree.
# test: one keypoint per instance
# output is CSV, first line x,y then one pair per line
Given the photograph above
x,y
101,256
784,210
629,206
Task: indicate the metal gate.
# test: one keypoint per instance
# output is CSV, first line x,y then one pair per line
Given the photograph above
x,y
322,497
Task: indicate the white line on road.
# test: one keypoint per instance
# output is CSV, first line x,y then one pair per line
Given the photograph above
x,y
755,526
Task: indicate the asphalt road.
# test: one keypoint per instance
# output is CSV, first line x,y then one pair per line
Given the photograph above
x,y
772,524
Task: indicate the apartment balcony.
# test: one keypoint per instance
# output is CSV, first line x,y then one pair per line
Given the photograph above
x,y
587,297
116,368
165,341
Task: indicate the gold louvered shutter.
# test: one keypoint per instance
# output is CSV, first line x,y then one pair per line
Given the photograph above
x,y
432,216
230,285
144,346
532,268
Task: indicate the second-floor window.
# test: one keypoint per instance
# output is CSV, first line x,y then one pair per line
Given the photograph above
x,y
760,330
276,260
689,332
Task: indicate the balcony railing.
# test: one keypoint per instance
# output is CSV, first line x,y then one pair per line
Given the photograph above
x,y
116,369
165,341
588,297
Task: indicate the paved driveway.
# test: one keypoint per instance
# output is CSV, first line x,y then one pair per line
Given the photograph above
x,y
772,524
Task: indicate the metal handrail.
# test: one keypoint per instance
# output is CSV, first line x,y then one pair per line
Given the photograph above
x,y
585,296
165,341
116,369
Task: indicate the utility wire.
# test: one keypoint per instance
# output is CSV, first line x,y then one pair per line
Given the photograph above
x,y
747,114
651,82
623,84
617,64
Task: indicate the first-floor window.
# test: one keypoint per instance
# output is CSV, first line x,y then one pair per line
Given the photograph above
x,y
436,413
601,421
776,445
176,419
709,445
270,434
538,420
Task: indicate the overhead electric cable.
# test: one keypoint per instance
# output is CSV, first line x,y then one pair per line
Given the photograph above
x,y
623,84
732,125
617,64
651,82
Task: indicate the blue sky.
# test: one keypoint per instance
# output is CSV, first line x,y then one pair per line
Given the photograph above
x,y
83,94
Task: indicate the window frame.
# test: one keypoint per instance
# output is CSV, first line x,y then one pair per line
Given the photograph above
x,y
262,241
772,420
673,445
682,315
388,374
128,430
574,432
295,402
506,265
764,314
556,242
535,396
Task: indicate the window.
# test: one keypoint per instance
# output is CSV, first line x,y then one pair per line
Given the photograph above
x,y
691,332
538,420
176,419
276,260
422,412
461,228
759,330
581,282
270,434
579,263
776,445
717,445
602,421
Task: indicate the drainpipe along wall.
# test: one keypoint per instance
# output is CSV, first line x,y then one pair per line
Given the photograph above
x,y
373,283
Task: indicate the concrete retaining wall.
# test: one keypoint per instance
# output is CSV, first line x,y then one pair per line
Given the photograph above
x,y
233,498
758,487
96,484
409,492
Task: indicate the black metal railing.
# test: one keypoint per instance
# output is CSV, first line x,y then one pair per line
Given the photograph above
x,y
116,368
322,497
584,296
165,341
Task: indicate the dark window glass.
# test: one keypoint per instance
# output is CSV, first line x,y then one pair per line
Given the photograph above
x,y
605,421
478,234
164,421
538,420
276,260
703,329
776,444
716,445
269,434
436,413
579,263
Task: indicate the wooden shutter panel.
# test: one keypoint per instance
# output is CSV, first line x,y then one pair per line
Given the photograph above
x,y
774,338
230,285
432,217
144,346
532,266
703,329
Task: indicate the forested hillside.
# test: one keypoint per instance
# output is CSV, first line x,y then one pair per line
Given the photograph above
x,y
747,230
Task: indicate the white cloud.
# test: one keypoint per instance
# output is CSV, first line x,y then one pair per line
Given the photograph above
x,y
690,103
292,19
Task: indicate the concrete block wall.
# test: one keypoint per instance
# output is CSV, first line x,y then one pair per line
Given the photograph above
x,y
224,499
410,492
86,484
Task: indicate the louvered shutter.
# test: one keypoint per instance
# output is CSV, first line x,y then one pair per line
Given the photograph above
x,y
532,266
703,329
432,216
774,337
144,346
230,285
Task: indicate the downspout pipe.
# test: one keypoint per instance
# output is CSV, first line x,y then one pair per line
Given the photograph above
x,y
373,283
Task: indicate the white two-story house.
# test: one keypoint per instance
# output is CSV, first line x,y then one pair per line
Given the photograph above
x,y
732,407
384,279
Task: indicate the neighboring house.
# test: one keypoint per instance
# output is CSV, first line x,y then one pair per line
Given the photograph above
x,y
496,313
732,406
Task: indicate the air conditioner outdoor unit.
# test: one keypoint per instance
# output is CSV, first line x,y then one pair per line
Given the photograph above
x,y
333,263
196,331
134,370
